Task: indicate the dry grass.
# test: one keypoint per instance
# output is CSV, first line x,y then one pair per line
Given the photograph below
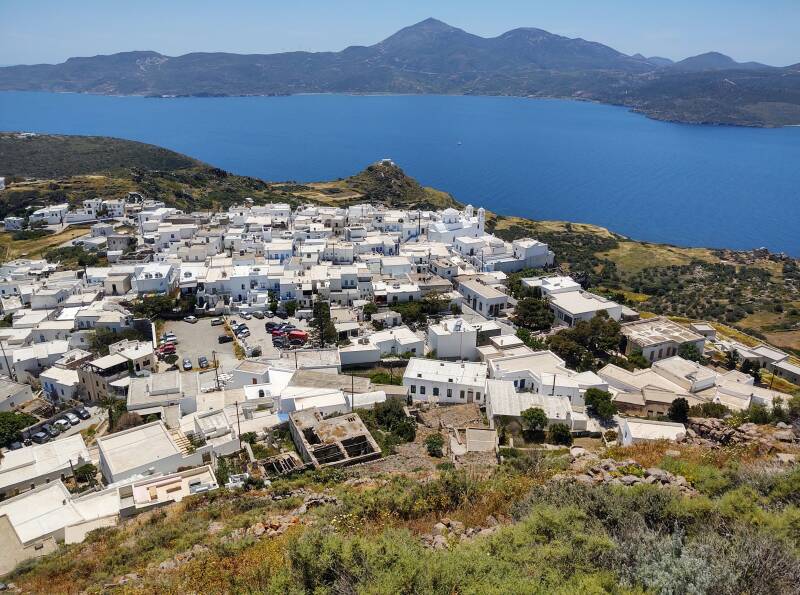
x,y
778,383
653,454
11,248
786,339
732,333
632,257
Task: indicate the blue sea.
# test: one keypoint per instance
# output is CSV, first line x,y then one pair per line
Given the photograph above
x,y
545,159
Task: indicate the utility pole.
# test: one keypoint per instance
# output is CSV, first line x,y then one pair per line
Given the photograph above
x,y
238,425
216,366
5,358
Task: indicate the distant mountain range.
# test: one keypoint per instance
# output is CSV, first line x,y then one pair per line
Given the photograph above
x,y
434,57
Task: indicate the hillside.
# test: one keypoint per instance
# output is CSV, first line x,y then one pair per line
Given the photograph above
x,y
55,156
657,518
434,57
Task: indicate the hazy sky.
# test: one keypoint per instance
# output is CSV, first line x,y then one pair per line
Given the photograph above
x,y
35,31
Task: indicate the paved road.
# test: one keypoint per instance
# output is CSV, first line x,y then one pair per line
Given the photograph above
x,y
98,415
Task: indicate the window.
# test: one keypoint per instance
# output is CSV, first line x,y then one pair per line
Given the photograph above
x,y
422,389
478,395
413,389
435,391
449,393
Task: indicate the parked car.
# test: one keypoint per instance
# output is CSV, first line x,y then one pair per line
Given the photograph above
x,y
278,342
288,327
83,413
270,325
243,333
217,321
168,335
62,424
202,361
296,342
190,319
187,363
40,437
298,335
15,446
167,348
72,418
282,315
246,316
259,315
224,339
51,431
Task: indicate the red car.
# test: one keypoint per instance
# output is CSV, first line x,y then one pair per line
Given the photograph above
x,y
166,349
277,332
299,335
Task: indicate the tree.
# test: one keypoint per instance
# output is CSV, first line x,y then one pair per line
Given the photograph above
x,y
533,314
535,419
691,352
599,402
638,360
115,408
369,309
435,443
534,342
127,421
11,424
86,473
679,410
560,434
587,341
291,307
323,323
731,359
794,407
717,410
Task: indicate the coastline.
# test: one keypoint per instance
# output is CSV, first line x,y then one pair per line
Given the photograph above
x,y
651,115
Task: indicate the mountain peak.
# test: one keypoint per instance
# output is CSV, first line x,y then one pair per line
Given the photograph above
x,y
714,61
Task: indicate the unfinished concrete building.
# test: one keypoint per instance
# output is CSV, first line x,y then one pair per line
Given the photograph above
x,y
334,442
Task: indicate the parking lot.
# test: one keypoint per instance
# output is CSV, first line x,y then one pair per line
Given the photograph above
x,y
260,336
200,338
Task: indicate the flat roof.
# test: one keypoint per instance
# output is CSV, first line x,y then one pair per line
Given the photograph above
x,y
485,291
469,373
581,302
26,464
136,447
658,330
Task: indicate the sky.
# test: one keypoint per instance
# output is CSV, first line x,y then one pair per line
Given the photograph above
x,y
50,31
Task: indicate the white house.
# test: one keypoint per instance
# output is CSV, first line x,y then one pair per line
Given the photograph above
x,y
146,450
453,338
658,338
13,394
155,277
483,298
60,384
26,468
51,215
445,382
13,223
636,431
576,306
